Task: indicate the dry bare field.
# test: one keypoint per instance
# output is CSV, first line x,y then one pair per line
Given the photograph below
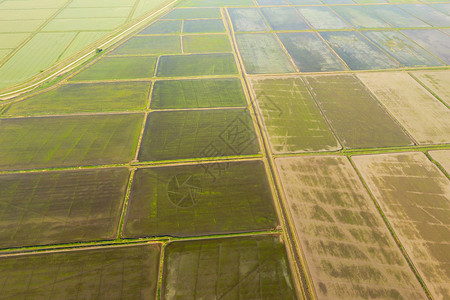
x,y
349,250
442,157
423,116
415,197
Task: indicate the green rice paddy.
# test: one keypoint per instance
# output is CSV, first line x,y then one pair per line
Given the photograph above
x,y
198,93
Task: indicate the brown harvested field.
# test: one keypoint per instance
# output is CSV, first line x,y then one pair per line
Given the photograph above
x,y
415,197
348,248
442,157
437,81
422,115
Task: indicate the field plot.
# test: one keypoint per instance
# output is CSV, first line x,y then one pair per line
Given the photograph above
x,y
284,18
321,17
193,13
61,207
79,42
310,53
414,195
24,64
338,2
197,65
27,143
292,119
272,2
442,157
360,17
423,116
200,199
10,26
349,250
405,51
247,19
427,14
127,67
140,45
396,16
232,268
205,43
357,118
357,52
203,26
198,133
216,3
26,14
64,25
443,7
198,93
84,98
434,41
437,81
93,12
163,27
262,53
129,272
12,40
305,2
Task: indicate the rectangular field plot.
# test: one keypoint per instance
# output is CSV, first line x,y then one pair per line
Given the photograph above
x,y
292,119
284,18
84,98
94,12
433,40
262,53
414,195
127,67
428,14
360,17
84,24
321,17
405,51
27,143
206,43
396,16
198,133
198,93
140,45
196,65
217,3
305,2
203,26
231,268
193,13
61,207
127,272
437,81
423,116
348,249
163,27
7,26
357,52
12,40
442,157
310,53
272,2
200,199
247,19
357,118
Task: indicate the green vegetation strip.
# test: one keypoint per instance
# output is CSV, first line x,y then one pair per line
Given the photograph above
x,y
112,272
84,98
30,143
198,93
